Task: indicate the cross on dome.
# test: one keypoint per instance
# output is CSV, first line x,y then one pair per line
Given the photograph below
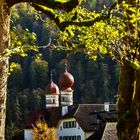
x,y
51,76
66,66
52,88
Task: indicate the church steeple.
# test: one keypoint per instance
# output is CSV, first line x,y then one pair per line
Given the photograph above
x,y
51,77
52,94
66,82
66,67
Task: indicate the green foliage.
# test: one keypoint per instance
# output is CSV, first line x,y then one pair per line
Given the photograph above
x,y
16,76
31,19
106,36
37,99
29,75
11,131
16,109
39,73
22,41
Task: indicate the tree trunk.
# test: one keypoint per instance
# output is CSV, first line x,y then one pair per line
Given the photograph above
x,y
4,43
128,126
136,101
129,93
126,90
136,105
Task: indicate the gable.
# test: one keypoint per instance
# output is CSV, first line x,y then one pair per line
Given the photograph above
x,y
69,129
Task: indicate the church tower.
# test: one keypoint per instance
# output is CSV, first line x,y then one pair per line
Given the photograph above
x,y
66,82
52,94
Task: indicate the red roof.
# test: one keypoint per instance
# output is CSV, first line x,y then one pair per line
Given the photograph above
x,y
52,88
66,80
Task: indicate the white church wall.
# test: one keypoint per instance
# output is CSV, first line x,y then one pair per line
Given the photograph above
x,y
52,101
28,134
70,128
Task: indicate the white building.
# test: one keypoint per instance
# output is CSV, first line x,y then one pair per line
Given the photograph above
x,y
28,134
72,122
76,122
80,122
69,129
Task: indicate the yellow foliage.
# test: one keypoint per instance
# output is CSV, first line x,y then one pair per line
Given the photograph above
x,y
41,131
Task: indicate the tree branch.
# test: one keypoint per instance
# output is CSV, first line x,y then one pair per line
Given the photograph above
x,y
64,24
66,6
48,12
87,23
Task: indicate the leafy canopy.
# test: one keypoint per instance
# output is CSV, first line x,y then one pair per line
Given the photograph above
x,y
113,32
107,35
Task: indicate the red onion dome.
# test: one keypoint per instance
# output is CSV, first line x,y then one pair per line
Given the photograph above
x,y
52,88
66,80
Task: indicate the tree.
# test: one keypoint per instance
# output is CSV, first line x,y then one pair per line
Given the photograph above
x,y
39,73
12,131
41,131
15,78
5,10
17,111
113,42
114,33
124,47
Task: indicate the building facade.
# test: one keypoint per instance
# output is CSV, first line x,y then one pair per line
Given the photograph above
x,y
69,129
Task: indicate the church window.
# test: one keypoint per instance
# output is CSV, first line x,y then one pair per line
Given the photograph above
x,y
54,101
49,101
79,137
69,124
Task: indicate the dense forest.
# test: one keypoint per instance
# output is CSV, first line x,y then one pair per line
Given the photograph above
x,y
96,81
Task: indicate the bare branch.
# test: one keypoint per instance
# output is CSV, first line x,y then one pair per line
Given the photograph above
x,y
48,45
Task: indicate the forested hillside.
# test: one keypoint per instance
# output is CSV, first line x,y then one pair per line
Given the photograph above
x,y
96,81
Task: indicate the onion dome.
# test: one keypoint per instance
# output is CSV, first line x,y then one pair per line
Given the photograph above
x,y
52,88
66,80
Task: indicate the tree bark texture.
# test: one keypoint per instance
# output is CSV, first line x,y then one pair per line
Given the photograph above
x,y
126,117
4,43
128,126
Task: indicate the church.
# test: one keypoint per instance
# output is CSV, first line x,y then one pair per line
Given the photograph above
x,y
62,97
72,121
